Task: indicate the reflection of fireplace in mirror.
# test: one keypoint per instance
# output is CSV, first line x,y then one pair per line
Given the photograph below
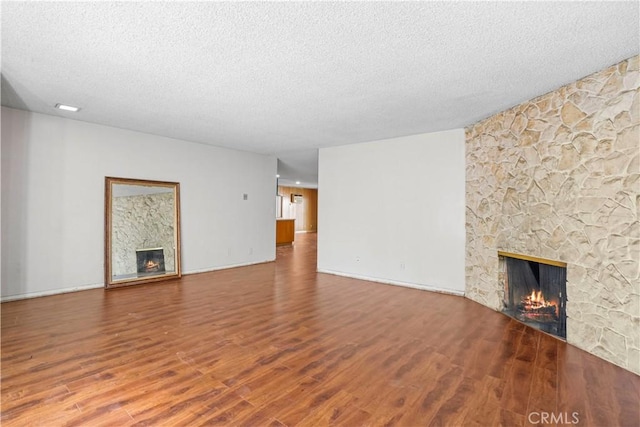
x,y
535,292
150,261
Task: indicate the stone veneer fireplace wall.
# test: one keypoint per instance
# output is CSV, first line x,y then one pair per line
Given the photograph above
x,y
558,177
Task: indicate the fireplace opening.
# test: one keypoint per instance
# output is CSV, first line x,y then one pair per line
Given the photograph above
x,y
150,261
535,292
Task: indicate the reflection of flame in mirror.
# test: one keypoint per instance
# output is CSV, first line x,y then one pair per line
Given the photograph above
x,y
151,265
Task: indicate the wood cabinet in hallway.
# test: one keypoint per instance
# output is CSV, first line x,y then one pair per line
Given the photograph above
x,y
305,212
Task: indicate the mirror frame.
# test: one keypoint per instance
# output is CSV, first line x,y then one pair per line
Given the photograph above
x,y
108,205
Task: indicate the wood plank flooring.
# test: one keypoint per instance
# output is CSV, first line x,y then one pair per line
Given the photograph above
x,y
278,344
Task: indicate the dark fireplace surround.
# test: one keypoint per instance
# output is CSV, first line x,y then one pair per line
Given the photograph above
x,y
535,292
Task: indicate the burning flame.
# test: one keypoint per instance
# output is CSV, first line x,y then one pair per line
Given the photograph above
x,y
537,297
536,302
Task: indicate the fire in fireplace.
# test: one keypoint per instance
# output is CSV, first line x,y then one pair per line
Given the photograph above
x,y
150,260
535,292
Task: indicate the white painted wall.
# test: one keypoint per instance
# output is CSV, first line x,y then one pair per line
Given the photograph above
x,y
53,172
394,211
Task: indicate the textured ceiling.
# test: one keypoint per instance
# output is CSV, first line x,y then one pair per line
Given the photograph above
x,y
282,77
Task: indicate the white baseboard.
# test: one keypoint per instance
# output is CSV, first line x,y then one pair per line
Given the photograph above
x,y
49,292
101,285
394,282
226,267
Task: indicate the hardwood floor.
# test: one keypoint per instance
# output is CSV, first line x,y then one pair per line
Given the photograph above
x,y
278,344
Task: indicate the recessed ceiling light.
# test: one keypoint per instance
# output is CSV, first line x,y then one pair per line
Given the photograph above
x,y
67,107
298,182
